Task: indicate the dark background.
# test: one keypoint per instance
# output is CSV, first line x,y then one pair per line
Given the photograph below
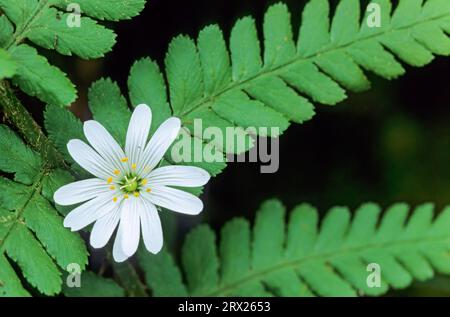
x,y
390,144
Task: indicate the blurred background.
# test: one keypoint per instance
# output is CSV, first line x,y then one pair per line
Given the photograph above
x,y
390,144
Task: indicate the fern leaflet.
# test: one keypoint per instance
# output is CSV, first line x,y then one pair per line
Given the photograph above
x,y
31,231
247,87
47,24
303,259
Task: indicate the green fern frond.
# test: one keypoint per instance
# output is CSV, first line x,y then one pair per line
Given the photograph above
x,y
45,24
239,84
7,65
31,231
250,88
93,285
301,258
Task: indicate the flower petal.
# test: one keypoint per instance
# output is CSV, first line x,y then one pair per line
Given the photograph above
x,y
78,192
88,159
104,144
151,227
137,134
87,213
129,220
104,228
183,176
118,254
175,200
159,144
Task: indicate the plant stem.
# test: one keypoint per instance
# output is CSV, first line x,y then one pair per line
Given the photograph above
x,y
17,115
127,276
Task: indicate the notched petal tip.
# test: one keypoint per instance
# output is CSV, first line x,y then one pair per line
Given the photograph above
x,y
154,250
94,243
143,111
204,176
142,106
120,260
57,197
72,143
67,224
197,210
92,125
174,124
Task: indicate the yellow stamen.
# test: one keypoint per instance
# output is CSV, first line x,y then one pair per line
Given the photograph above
x,y
136,194
115,199
144,182
112,187
124,160
148,190
110,180
126,196
133,166
116,172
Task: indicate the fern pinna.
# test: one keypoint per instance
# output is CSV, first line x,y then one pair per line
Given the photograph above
x,y
46,23
225,83
248,87
301,258
31,230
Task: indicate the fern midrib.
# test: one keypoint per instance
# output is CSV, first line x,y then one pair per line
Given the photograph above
x,y
35,189
19,34
301,59
325,257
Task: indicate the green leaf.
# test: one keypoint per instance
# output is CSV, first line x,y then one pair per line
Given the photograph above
x,y
17,158
297,257
35,264
60,25
110,108
126,275
186,149
314,35
245,49
161,274
245,112
8,65
278,42
93,285
31,231
147,86
214,58
38,78
53,181
200,263
6,29
62,126
89,40
111,10
271,81
9,282
184,74
19,11
63,245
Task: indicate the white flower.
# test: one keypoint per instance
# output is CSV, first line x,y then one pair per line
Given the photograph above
x,y
128,186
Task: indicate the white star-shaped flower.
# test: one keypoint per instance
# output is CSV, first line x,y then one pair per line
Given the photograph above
x,y
128,186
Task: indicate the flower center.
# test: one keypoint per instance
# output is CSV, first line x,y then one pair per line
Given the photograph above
x,y
130,184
